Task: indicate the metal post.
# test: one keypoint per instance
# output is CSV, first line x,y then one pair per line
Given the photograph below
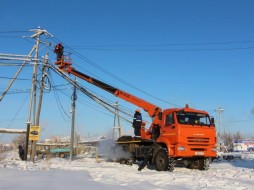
x,y
219,110
118,121
74,98
119,126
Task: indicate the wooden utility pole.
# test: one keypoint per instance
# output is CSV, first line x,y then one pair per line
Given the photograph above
x,y
74,98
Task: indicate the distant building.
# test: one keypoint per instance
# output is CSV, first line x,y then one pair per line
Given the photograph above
x,y
243,145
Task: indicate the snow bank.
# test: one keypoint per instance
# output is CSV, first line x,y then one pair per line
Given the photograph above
x,y
234,174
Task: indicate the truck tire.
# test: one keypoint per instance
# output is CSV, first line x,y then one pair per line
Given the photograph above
x,y
171,165
62,155
39,155
200,164
206,164
125,138
161,161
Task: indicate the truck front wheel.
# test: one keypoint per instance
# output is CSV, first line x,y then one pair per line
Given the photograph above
x,y
161,161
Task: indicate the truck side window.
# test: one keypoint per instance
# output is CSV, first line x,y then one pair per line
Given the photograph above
x,y
169,119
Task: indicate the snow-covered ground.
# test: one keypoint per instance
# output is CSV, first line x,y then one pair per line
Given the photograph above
x,y
85,172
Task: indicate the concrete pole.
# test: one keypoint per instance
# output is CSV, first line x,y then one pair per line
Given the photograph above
x,y
219,110
34,89
116,116
74,98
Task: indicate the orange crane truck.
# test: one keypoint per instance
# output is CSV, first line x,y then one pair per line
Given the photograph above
x,y
176,135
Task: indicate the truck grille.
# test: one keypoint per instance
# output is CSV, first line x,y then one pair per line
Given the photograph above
x,y
198,141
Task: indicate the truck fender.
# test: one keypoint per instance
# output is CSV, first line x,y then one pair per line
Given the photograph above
x,y
165,143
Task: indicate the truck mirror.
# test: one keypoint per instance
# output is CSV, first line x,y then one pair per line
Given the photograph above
x,y
212,120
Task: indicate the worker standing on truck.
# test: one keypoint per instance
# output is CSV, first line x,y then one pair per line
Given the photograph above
x,y
137,122
59,51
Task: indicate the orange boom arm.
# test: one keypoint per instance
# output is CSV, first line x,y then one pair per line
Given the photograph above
x,y
148,107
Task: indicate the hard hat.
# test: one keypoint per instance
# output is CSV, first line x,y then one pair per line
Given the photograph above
x,y
137,110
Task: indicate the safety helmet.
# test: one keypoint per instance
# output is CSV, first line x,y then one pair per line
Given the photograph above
x,y
137,110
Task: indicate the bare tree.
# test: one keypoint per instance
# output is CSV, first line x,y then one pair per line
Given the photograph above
x,y
238,136
227,138
19,140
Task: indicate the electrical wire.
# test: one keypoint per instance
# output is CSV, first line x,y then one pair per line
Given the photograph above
x,y
14,31
16,114
172,50
112,75
166,44
93,97
15,79
60,106
87,104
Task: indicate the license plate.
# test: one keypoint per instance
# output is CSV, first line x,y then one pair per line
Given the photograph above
x,y
199,153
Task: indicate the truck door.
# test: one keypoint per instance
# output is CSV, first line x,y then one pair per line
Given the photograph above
x,y
168,129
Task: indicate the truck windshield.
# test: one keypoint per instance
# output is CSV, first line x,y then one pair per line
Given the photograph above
x,y
189,118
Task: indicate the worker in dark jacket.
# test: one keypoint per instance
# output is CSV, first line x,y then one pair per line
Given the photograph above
x,y
21,152
136,124
59,51
148,156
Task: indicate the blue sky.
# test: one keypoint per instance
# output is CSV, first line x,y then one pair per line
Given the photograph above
x,y
195,52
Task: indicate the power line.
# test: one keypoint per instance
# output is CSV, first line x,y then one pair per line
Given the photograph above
x,y
165,44
172,50
13,31
15,78
15,115
114,76
60,106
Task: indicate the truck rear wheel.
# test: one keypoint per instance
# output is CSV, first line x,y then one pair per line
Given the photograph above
x,y
39,156
161,161
200,164
62,155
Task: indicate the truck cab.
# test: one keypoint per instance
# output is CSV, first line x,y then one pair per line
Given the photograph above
x,y
188,132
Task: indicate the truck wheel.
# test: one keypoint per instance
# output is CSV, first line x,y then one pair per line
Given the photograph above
x,y
171,165
200,164
161,161
39,156
206,164
62,155
125,138
197,164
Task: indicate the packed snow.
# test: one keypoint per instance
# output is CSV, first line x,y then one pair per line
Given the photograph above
x,y
88,172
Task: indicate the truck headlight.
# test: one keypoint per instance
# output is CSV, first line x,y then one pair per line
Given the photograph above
x,y
214,149
181,148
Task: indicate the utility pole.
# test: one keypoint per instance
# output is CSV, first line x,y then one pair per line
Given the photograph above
x,y
219,110
116,116
74,98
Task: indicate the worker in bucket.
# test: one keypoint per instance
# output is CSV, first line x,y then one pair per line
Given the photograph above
x,y
137,122
59,51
